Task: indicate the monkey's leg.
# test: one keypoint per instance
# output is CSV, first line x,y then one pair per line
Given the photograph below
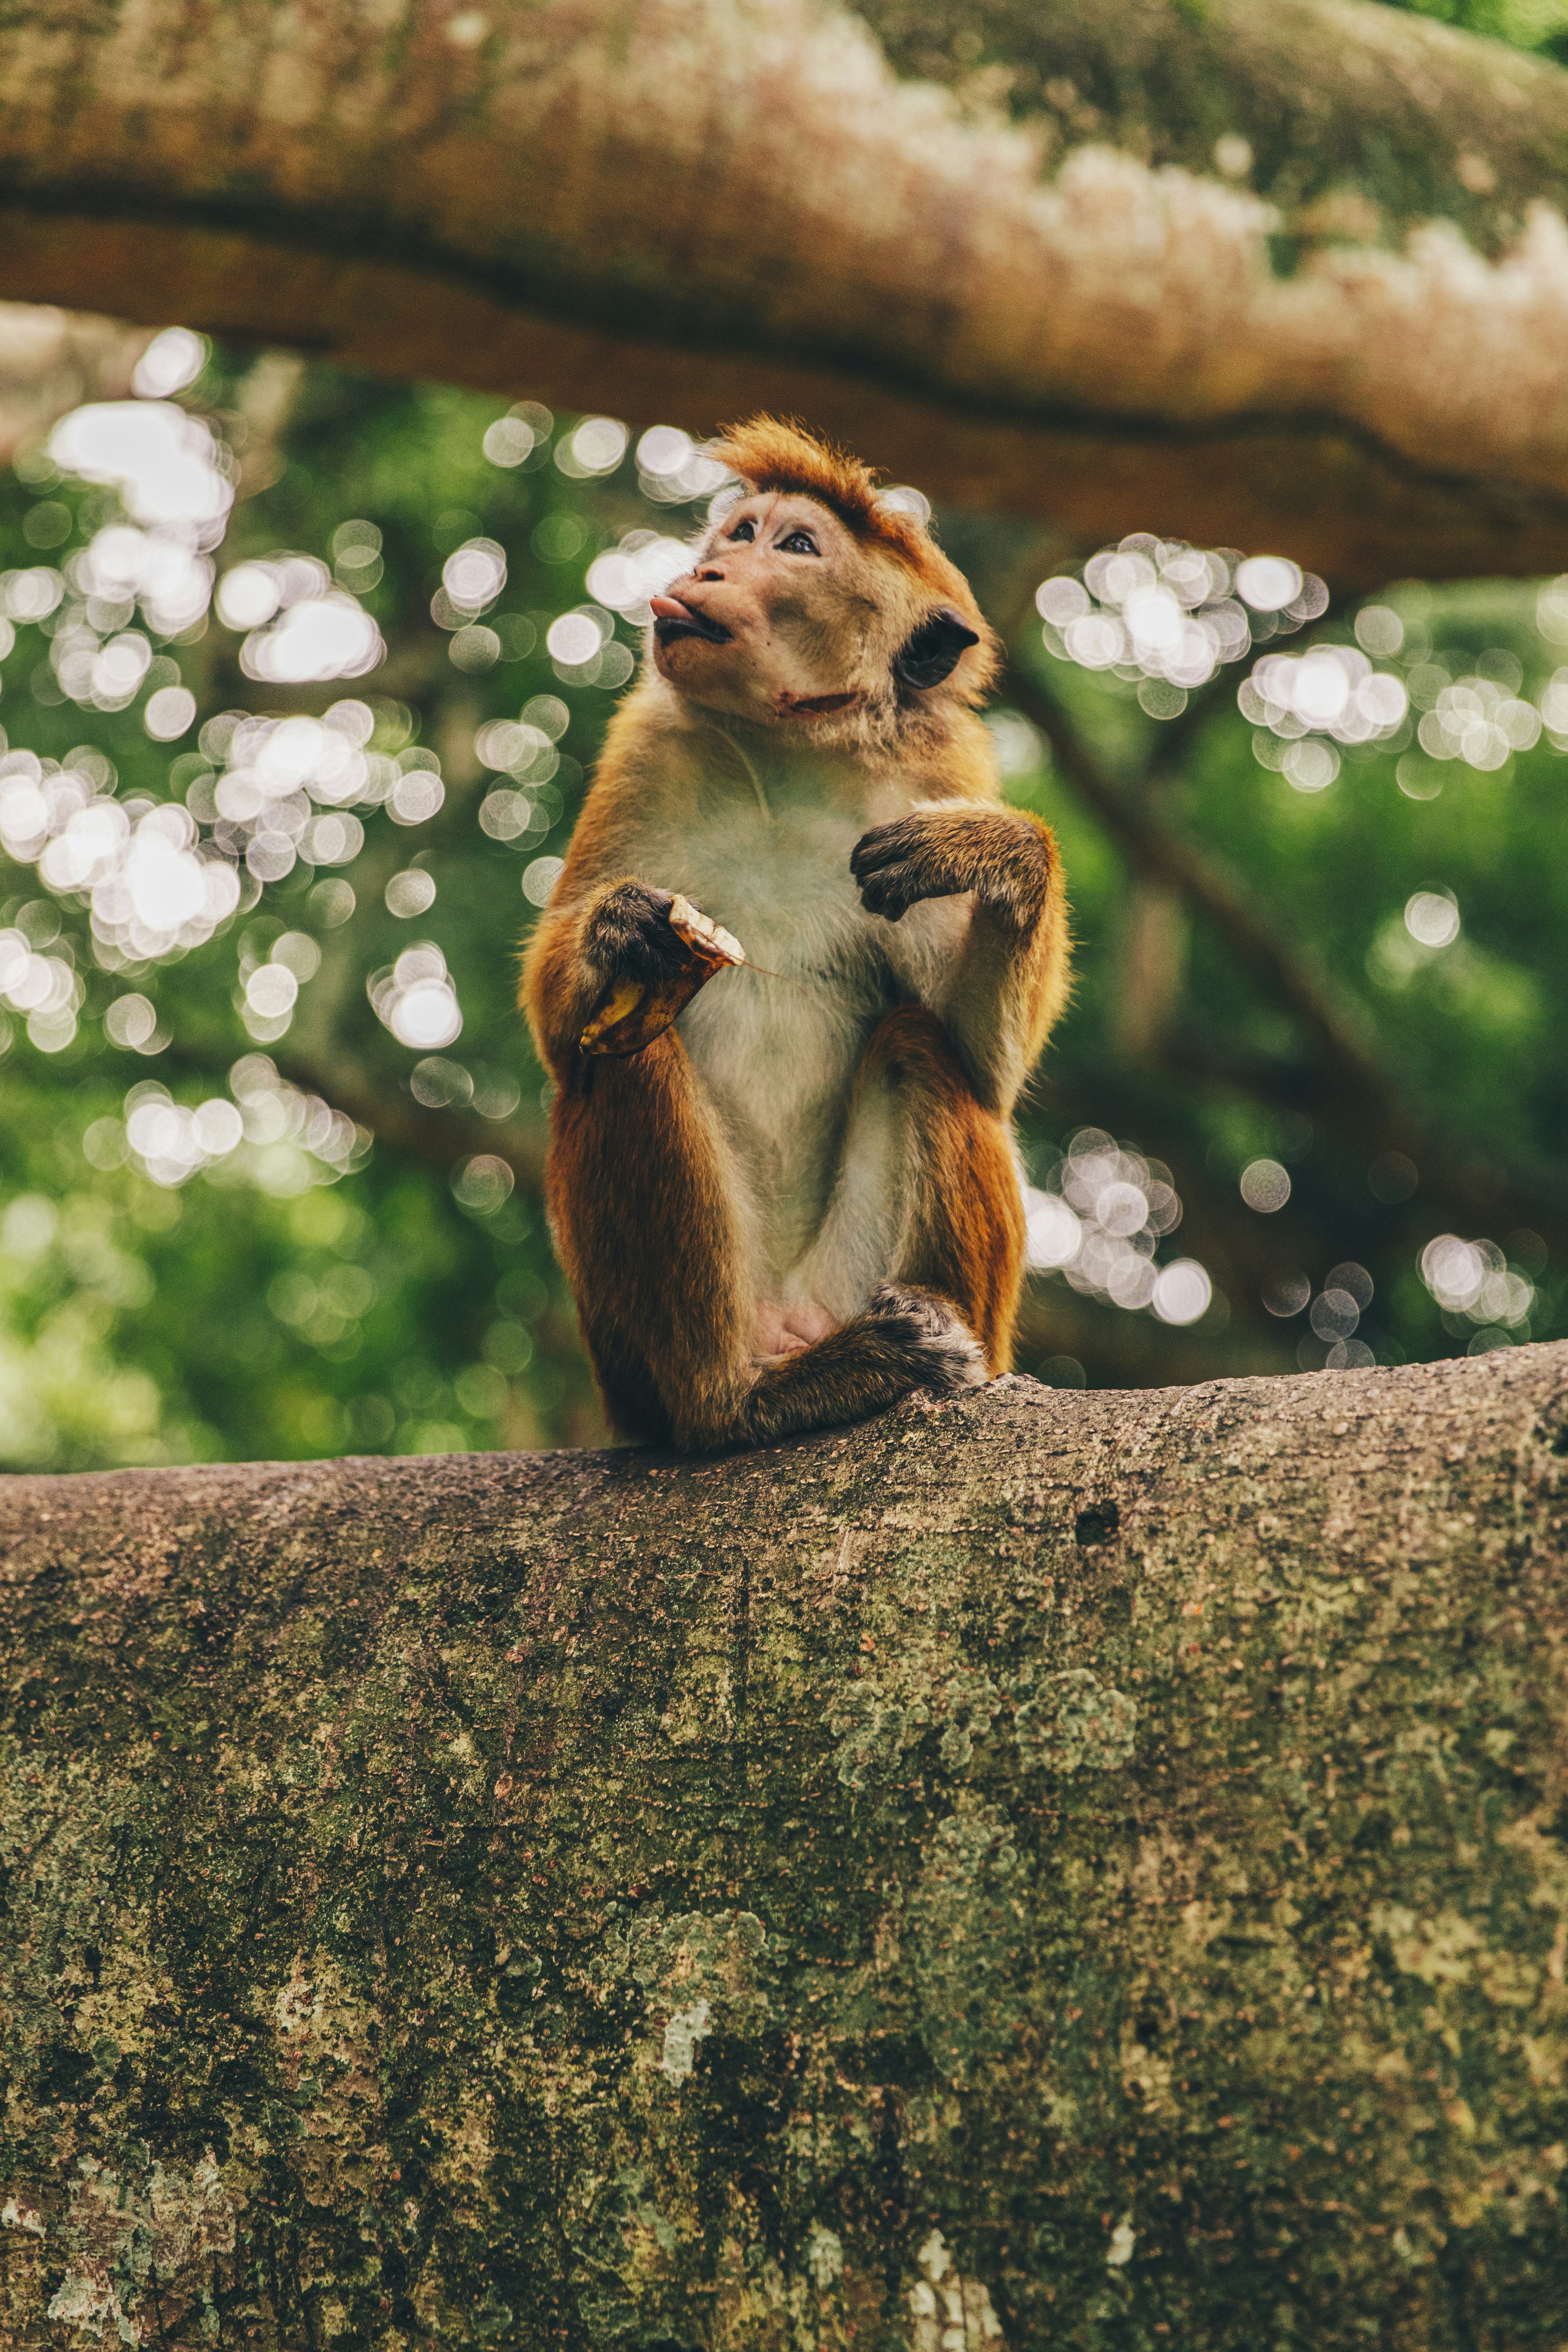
x,y
927,1190
648,1217
926,1216
650,1220
965,1232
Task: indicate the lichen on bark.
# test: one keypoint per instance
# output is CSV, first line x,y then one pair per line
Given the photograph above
x,y
1082,1869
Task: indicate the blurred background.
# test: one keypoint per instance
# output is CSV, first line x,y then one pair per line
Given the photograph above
x,y
302,678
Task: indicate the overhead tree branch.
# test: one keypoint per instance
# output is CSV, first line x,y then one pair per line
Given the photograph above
x,y
966,1869
991,245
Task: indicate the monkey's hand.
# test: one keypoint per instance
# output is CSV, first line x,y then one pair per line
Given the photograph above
x,y
1003,856
628,935
655,951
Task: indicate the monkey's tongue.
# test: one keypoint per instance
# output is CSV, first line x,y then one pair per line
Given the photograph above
x,y
674,619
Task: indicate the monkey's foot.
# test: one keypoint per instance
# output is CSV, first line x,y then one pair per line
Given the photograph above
x,y
942,1352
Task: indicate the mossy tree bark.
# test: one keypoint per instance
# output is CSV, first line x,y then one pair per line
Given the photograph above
x,y
1049,1869
1151,264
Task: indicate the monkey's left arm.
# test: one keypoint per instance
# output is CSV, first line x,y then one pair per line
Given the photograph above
x,y
999,998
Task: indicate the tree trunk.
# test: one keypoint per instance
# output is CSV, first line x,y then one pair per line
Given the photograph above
x,y
1042,1870
1146,265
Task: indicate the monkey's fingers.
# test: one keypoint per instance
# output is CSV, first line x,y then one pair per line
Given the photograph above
x,y
883,846
891,894
893,890
633,1014
616,1009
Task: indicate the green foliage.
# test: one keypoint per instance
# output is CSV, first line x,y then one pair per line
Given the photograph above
x,y
270,1305
1540,25
360,1271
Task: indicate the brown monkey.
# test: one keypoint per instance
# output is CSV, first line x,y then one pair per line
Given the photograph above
x,y
802,1200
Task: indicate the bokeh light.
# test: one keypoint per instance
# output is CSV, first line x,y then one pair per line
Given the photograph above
x,y
1098,1219
1182,1292
474,576
594,447
167,467
539,878
321,637
1432,919
415,999
483,1182
172,361
1474,1279
1265,1186
410,893
523,432
626,577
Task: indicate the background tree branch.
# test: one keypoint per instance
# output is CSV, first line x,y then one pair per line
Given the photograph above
x,y
928,219
444,1134
1347,1087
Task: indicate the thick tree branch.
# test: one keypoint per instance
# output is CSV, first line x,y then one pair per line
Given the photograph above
x,y
1037,1865
1032,287
1348,1087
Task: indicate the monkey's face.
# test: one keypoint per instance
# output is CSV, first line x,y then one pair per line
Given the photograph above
x,y
787,617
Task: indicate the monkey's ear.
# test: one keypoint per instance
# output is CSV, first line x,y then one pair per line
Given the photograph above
x,y
935,649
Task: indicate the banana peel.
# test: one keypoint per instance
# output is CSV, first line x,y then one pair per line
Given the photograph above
x,y
633,1012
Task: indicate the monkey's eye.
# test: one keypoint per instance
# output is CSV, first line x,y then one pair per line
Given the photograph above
x,y
799,542
744,531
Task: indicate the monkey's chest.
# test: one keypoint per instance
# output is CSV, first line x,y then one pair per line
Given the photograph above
x,y
776,1044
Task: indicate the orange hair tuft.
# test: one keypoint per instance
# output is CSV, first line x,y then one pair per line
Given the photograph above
x,y
777,453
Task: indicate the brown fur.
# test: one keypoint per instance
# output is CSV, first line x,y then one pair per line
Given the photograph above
x,y
966,1240
648,1198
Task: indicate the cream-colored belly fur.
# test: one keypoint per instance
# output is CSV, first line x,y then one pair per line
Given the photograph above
x,y
817,1193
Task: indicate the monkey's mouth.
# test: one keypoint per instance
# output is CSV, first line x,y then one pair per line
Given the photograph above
x,y
813,706
673,619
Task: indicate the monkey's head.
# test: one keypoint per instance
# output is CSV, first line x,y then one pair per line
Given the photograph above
x,y
814,605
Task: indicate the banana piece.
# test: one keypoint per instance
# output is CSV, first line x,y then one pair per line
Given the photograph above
x,y
622,1000
702,935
